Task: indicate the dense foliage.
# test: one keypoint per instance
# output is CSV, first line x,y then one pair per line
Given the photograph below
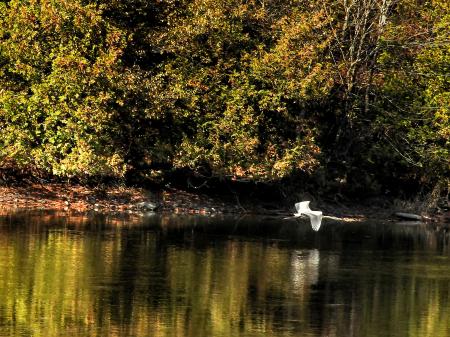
x,y
348,91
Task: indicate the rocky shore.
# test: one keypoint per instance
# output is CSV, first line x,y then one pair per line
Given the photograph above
x,y
109,199
139,201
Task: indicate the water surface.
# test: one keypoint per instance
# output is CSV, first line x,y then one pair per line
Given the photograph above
x,y
180,276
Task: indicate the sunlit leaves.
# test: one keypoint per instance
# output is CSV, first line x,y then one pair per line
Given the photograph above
x,y
415,91
433,63
232,76
240,89
66,61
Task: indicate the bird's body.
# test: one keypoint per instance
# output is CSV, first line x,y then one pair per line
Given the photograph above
x,y
315,217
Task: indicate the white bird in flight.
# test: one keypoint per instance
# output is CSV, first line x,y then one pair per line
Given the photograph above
x,y
314,216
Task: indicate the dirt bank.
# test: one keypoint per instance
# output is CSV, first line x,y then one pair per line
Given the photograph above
x,y
77,198
107,198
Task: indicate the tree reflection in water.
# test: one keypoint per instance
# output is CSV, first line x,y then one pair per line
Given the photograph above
x,y
84,276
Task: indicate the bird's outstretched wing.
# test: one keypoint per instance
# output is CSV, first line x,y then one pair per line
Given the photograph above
x,y
316,219
302,207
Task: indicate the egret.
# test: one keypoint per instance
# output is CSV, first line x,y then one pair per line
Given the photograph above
x,y
314,216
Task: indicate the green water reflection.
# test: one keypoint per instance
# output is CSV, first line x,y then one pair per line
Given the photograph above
x,y
78,277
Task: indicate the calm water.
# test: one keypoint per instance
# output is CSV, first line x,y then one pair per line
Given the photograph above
x,y
174,276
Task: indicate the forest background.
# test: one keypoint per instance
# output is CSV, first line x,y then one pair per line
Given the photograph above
x,y
346,97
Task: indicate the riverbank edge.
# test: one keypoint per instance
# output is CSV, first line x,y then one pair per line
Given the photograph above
x,y
121,199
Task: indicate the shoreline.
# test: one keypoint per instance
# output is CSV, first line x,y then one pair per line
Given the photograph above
x,y
132,200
